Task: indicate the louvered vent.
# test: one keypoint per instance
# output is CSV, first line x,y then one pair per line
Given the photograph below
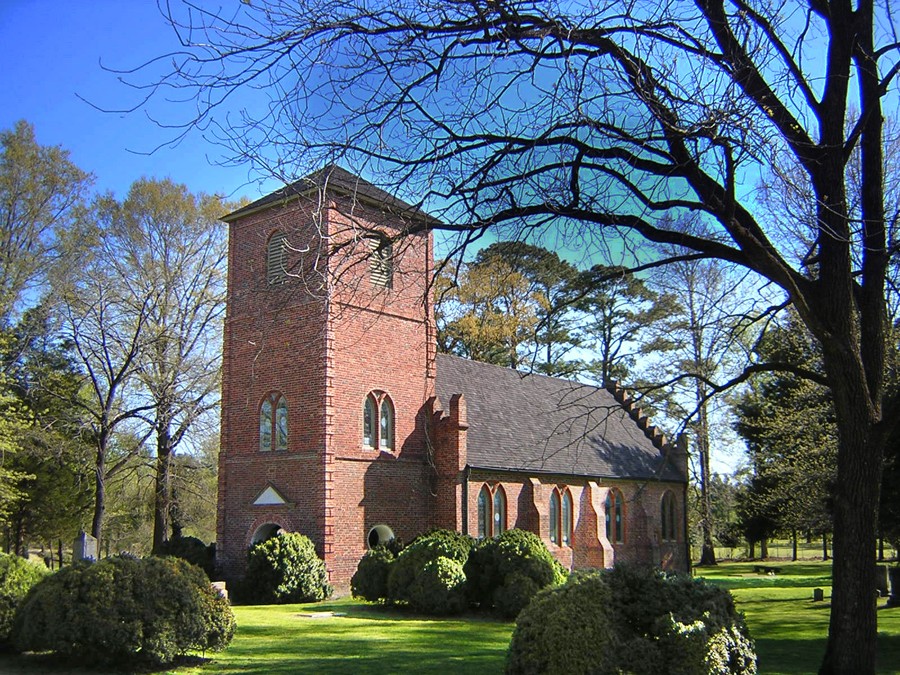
x,y
381,269
276,259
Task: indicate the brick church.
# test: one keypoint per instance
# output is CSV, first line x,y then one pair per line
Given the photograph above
x,y
340,420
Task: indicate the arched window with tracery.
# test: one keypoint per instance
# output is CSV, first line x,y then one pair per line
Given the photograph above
x,y
667,517
273,423
378,421
491,511
615,517
561,517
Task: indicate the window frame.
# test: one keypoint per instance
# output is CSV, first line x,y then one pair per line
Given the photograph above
x,y
370,417
487,511
381,261
668,527
555,510
562,517
498,512
274,423
378,403
386,424
567,518
615,521
276,259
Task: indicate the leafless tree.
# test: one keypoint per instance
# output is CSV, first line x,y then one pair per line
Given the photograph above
x,y
171,250
599,119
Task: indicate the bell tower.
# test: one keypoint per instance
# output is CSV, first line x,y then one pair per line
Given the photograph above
x,y
328,361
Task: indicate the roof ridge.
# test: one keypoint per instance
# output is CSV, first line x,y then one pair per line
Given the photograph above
x,y
330,176
523,373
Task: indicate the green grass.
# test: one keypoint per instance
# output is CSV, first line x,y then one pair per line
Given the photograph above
x,y
788,626
366,639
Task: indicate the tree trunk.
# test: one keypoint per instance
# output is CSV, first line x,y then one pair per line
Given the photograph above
x,y
852,629
752,550
163,487
794,555
99,491
708,552
59,547
825,555
764,549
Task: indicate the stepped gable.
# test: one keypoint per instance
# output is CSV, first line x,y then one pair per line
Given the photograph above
x,y
335,179
547,425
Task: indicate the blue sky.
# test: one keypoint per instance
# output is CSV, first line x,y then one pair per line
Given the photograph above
x,y
52,50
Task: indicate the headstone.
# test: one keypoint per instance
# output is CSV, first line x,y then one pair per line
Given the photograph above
x,y
221,587
818,595
84,547
894,574
881,580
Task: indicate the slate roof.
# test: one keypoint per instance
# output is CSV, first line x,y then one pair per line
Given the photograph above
x,y
539,424
331,177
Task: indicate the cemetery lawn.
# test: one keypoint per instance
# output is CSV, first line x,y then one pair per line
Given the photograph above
x,y
789,628
346,636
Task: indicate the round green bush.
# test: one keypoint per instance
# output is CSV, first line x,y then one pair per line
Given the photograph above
x,y
562,630
193,550
124,611
439,589
422,550
17,576
370,581
285,569
633,620
505,572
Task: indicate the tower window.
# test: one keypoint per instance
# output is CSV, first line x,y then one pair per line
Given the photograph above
x,y
386,425
276,259
273,423
369,422
381,262
380,435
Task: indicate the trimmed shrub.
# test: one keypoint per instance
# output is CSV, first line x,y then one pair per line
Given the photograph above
x,y
124,611
507,571
633,620
193,550
17,576
439,588
423,549
370,581
285,569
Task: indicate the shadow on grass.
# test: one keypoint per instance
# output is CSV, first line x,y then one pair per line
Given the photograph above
x,y
52,664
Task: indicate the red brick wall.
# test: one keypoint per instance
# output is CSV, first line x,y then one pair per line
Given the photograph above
x,y
274,341
378,342
528,507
